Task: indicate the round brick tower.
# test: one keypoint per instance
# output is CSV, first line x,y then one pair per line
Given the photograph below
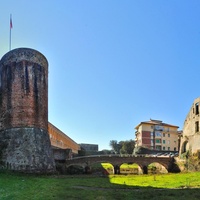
x,y
24,140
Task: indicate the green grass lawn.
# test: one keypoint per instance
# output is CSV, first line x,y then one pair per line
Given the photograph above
x,y
89,187
168,181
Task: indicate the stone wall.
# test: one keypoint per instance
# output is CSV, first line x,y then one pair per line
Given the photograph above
x,y
62,154
26,150
190,140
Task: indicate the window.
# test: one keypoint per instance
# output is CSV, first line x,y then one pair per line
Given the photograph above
x,y
197,108
163,141
158,147
158,134
151,133
163,134
163,148
174,148
158,141
197,126
168,148
168,142
158,128
168,135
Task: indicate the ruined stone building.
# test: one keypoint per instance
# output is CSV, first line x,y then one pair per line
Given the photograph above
x,y
190,140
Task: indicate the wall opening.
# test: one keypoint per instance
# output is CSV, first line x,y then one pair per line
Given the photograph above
x,y
184,147
197,108
196,126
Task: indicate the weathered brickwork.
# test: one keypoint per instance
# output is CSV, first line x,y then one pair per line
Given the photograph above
x,y
24,140
24,89
26,150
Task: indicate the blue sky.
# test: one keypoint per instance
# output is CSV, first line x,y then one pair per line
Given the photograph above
x,y
112,63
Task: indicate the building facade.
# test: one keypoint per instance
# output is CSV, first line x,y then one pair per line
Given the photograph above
x,y
59,140
156,135
190,140
90,147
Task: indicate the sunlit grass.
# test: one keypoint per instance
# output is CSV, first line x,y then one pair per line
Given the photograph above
x,y
134,168
158,180
124,168
86,187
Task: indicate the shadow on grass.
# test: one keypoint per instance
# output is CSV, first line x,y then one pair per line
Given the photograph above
x,y
14,186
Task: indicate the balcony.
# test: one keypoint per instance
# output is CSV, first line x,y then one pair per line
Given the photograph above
x,y
137,132
158,128
158,142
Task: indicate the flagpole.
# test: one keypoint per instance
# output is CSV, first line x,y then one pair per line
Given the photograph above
x,y
10,31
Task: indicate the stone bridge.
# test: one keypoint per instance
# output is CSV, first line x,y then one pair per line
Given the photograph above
x,y
117,161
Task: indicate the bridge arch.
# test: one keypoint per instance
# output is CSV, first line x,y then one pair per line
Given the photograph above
x,y
130,168
156,167
104,167
117,161
74,169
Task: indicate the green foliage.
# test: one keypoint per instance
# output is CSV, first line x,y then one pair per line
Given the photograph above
x,y
128,146
115,146
142,150
123,147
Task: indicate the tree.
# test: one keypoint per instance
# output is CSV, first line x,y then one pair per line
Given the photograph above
x,y
123,147
128,146
115,146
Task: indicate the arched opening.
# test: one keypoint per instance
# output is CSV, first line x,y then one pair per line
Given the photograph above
x,y
156,168
185,147
101,168
130,168
75,169
107,168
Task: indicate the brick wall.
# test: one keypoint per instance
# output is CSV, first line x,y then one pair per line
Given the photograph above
x,y
61,140
24,89
146,138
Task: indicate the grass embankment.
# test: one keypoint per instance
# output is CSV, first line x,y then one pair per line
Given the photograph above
x,y
88,187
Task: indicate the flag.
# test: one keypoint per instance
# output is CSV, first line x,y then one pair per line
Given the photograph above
x,y
11,22
11,26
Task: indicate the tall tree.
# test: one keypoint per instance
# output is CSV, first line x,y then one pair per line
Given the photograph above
x,y
128,146
123,147
115,146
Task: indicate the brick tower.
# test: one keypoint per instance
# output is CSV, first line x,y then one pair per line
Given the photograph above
x,y
24,140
